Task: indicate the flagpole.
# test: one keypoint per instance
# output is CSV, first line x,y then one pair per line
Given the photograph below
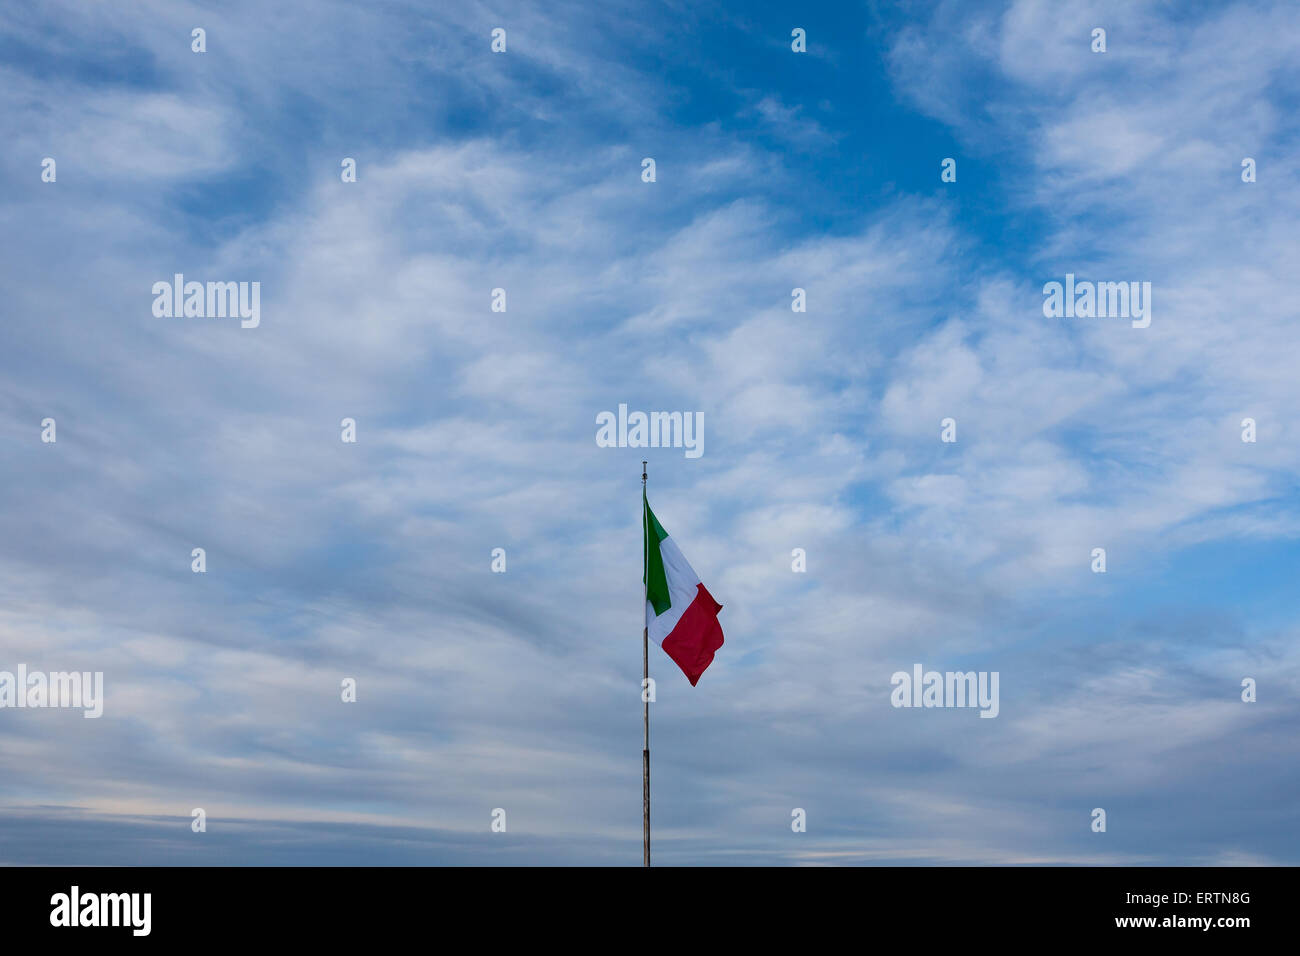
x,y
645,676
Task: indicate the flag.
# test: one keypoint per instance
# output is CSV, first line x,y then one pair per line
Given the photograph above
x,y
681,615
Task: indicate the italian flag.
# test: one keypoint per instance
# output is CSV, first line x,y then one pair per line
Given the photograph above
x,y
680,613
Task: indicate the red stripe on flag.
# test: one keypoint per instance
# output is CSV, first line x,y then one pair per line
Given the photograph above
x,y
697,635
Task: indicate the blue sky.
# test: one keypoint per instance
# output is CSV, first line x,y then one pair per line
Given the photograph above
x,y
476,430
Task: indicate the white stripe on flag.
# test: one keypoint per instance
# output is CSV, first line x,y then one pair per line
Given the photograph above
x,y
683,586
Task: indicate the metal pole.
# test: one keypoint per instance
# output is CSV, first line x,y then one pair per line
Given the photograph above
x,y
645,675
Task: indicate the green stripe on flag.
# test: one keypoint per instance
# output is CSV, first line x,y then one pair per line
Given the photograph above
x,y
652,576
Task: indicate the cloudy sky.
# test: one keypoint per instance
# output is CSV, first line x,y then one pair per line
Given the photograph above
x,y
775,170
